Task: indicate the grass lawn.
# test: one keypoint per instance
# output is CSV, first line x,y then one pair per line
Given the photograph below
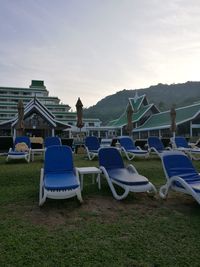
x,y
138,231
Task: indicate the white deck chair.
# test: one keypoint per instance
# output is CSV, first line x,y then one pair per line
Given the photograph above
x,y
130,150
59,179
92,146
180,143
180,174
112,166
14,154
156,146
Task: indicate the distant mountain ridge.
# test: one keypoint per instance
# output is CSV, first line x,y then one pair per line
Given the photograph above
x,y
162,95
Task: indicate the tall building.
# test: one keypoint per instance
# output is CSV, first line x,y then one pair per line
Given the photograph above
x,y
9,97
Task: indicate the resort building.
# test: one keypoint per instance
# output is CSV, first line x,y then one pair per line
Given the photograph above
x,y
44,114
149,121
9,97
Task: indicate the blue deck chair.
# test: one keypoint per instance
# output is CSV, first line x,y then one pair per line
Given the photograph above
x,y
92,146
59,179
180,143
130,150
156,146
52,141
112,166
14,154
180,174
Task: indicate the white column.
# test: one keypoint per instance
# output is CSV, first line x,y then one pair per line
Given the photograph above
x,y
52,132
14,134
191,129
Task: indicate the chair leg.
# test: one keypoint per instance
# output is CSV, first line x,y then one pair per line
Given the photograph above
x,y
128,155
112,188
115,195
193,157
27,158
42,196
99,180
152,190
164,191
79,196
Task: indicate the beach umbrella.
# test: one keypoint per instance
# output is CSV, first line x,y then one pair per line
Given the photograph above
x,y
129,113
79,110
20,123
173,120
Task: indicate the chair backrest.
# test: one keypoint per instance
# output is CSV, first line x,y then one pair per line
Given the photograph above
x,y
92,143
22,139
154,141
110,158
178,164
127,143
180,141
58,159
52,141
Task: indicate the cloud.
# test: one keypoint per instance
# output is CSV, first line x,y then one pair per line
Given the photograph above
x,y
91,49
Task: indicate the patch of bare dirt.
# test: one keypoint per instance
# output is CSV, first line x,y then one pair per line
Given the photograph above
x,y
103,209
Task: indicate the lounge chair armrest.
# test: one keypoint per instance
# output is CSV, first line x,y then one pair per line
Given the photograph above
x,y
103,170
86,148
123,149
153,149
192,145
131,168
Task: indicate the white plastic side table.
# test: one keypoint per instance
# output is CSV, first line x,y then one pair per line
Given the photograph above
x,y
36,151
89,170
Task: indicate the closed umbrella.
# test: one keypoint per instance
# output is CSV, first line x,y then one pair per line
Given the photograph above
x,y
79,110
173,121
20,123
129,113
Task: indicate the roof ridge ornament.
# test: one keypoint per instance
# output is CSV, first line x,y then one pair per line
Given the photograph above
x,y
136,96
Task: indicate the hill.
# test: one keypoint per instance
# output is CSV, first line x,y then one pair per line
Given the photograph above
x,y
162,95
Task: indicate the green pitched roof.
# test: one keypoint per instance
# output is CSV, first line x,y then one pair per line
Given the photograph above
x,y
163,119
136,102
122,120
111,123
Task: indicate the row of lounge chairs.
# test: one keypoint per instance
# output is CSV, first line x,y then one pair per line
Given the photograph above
x,y
22,147
92,146
154,146
59,178
127,146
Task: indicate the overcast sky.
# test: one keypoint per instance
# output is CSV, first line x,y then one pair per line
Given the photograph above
x,y
94,48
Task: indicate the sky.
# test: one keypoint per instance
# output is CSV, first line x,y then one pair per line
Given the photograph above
x,y
94,48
